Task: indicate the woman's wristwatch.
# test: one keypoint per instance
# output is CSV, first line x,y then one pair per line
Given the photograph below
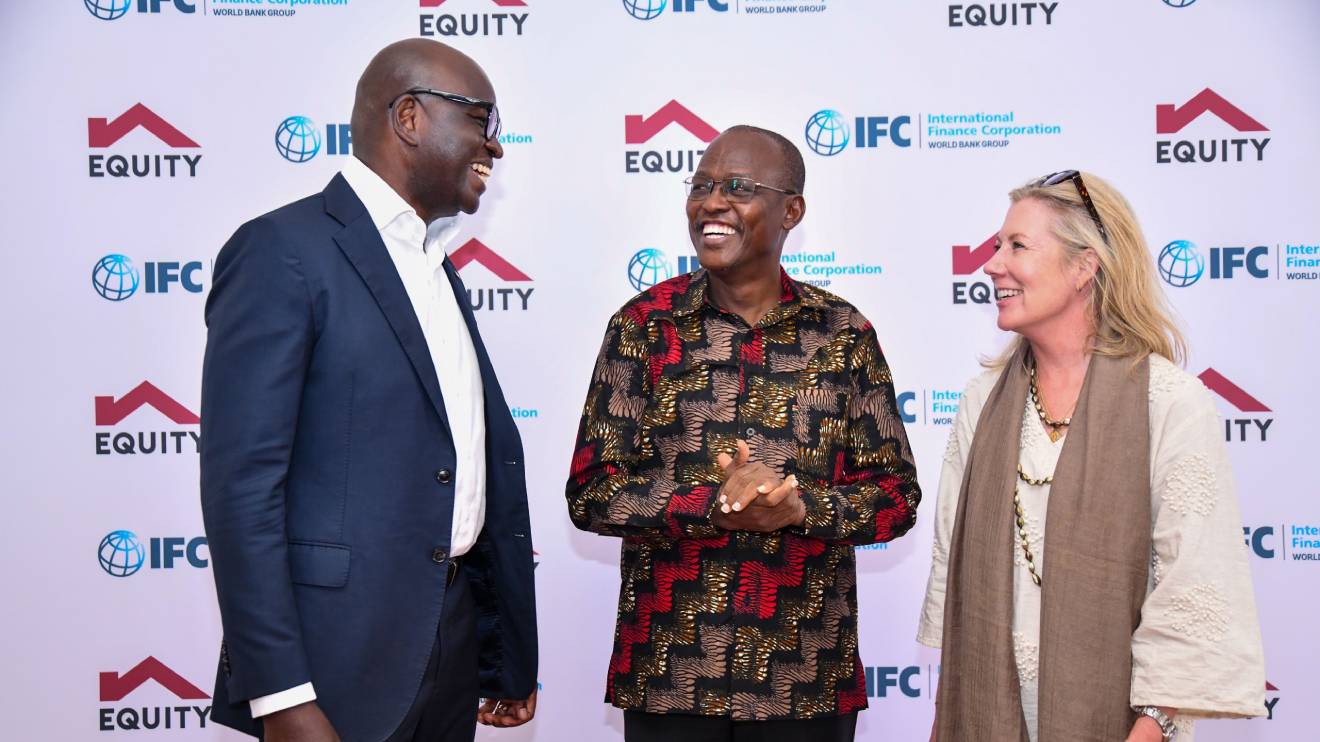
x,y
1166,724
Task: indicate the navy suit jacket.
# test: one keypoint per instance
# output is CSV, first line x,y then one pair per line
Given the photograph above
x,y
327,478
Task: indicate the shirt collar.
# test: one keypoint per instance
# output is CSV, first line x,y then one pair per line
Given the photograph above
x,y
793,296
385,205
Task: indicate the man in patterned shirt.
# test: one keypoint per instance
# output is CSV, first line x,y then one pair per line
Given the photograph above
x,y
741,435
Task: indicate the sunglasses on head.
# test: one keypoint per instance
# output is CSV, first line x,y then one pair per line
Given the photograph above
x,y
1076,178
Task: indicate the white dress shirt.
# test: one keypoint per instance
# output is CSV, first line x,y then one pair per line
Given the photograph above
x,y
418,252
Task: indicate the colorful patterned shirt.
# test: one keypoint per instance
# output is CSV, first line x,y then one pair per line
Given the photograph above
x,y
748,625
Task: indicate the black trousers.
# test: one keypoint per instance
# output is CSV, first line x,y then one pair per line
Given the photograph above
x,y
446,705
643,727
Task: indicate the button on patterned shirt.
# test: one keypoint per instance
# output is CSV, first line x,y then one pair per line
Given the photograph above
x,y
752,626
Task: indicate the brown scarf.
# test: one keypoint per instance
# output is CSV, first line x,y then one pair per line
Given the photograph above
x,y
1098,545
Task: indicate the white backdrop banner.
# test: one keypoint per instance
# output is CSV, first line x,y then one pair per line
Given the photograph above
x,y
143,132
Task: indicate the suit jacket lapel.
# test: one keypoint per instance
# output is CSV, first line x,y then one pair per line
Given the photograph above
x,y
362,245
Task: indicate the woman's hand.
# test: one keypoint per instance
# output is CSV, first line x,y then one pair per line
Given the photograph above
x,y
1145,730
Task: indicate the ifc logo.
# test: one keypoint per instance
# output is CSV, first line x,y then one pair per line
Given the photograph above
x,y
107,10
647,268
115,278
827,133
1180,264
642,10
297,139
121,554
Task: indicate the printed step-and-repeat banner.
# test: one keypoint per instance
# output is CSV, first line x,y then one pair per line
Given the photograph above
x,y
141,133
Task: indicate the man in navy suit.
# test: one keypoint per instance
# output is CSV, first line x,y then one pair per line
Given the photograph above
x,y
362,478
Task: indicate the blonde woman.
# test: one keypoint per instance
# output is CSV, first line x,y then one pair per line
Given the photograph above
x,y
1089,578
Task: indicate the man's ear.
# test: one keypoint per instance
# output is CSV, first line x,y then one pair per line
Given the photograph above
x,y
404,120
794,209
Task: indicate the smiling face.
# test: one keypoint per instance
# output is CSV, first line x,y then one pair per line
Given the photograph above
x,y
452,159
735,236
1036,287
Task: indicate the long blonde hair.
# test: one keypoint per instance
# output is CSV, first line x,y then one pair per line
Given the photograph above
x,y
1130,314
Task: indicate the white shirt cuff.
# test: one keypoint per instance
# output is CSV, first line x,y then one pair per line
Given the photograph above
x,y
265,705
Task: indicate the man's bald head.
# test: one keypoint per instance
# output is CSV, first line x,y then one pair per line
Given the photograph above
x,y
791,166
398,67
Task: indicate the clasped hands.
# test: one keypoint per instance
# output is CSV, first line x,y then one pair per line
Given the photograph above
x,y
754,498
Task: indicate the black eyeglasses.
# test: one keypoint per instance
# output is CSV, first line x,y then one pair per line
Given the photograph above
x,y
492,111
734,189
1076,178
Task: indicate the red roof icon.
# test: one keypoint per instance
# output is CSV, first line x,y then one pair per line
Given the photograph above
x,y
640,129
115,686
103,133
110,411
1170,119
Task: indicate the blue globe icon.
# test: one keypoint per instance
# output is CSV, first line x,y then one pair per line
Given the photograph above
x,y
115,278
1178,3
121,553
1180,263
107,10
644,10
827,133
298,139
647,268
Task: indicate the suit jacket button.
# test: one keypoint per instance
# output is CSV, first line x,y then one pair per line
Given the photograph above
x,y
439,556
444,476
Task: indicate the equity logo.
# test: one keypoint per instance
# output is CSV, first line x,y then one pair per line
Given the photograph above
x,y
638,129
475,250
1172,119
472,24
1253,428
153,674
114,687
1002,14
502,299
110,412
104,133
967,261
